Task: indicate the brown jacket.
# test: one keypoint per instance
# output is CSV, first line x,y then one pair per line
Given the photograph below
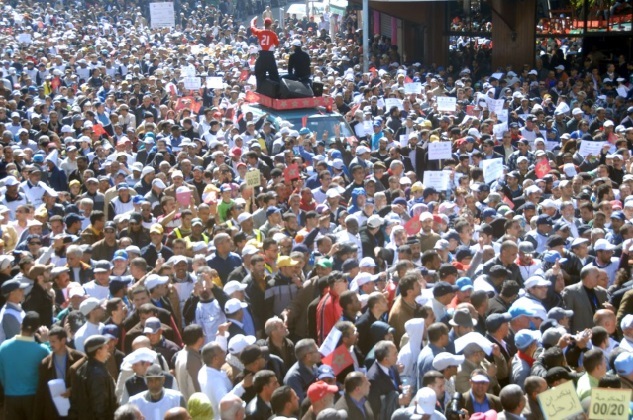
x,y
493,402
44,407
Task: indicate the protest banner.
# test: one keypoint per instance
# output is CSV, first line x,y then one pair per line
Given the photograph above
x,y
162,15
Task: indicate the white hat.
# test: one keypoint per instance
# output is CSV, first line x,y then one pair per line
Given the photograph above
x,y
425,401
560,67
239,342
536,281
177,259
533,189
549,204
332,193
362,279
243,217
157,182
75,289
89,305
154,280
361,150
139,355
473,338
576,111
11,181
296,42
375,221
147,170
426,216
249,250
233,286
570,169
445,359
579,241
67,129
133,248
234,305
603,245
627,322
367,262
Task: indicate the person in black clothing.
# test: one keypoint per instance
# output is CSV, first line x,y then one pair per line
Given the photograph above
x,y
299,64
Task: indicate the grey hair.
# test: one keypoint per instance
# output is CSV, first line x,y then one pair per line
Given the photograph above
x,y
271,323
229,406
303,347
74,250
209,351
127,412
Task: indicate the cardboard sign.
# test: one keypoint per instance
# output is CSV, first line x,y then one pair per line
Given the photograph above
x,y
390,102
192,83
609,404
560,402
253,178
446,104
214,83
493,170
440,150
162,15
494,105
290,173
413,88
437,179
588,147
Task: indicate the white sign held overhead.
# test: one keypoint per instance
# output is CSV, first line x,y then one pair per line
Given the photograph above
x,y
437,179
446,104
493,170
413,88
214,83
162,15
192,83
588,147
440,150
404,140
390,102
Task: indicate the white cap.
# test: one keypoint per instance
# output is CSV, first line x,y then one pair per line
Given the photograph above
x,y
147,170
332,193
139,355
375,221
233,286
243,217
627,322
154,280
576,111
579,241
473,338
367,262
157,182
75,289
362,279
239,342
361,150
603,245
446,359
89,305
549,204
426,216
11,181
536,281
234,305
425,401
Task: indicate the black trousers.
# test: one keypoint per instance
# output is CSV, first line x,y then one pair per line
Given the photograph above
x,y
19,408
266,66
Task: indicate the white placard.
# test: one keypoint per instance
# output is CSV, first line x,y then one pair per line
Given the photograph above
x,y
359,130
503,116
550,145
188,71
413,88
562,108
404,140
25,39
493,169
192,83
456,177
622,91
588,147
214,83
369,127
389,102
499,129
437,179
494,105
446,103
381,103
440,150
57,387
162,15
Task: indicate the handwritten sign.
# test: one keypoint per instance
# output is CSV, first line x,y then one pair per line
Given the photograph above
x,y
494,105
499,129
162,15
413,88
588,147
28,39
493,170
390,102
253,178
188,71
214,83
192,83
446,104
437,179
440,150
560,402
609,404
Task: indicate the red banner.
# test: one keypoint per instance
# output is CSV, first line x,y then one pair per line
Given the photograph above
x,y
98,130
291,172
339,359
413,226
542,168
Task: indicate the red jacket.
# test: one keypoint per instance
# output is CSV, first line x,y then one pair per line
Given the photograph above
x,y
328,313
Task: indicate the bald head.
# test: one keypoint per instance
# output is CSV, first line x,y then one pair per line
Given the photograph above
x,y
177,413
606,319
141,342
231,408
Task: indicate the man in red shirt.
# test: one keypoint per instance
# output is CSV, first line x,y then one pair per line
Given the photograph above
x,y
329,311
265,63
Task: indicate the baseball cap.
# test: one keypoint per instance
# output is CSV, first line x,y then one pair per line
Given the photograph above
x,y
233,305
154,280
89,305
494,321
318,390
239,342
464,283
102,266
152,325
558,313
524,338
233,286
367,262
95,342
536,281
325,372
603,245
425,400
517,311
11,285
442,288
624,363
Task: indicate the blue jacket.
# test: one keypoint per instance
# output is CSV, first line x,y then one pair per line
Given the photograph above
x,y
20,358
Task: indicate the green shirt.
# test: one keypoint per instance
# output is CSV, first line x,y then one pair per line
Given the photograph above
x,y
223,209
585,383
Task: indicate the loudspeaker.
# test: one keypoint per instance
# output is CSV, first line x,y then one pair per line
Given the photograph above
x,y
291,89
317,88
269,88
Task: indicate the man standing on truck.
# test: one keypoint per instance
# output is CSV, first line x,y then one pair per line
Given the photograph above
x,y
299,64
265,63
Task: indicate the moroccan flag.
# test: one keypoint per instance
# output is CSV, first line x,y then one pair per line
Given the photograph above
x,y
98,129
413,226
542,168
339,359
508,202
291,172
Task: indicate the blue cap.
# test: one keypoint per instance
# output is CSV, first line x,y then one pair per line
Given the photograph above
x,y
349,265
624,363
72,218
325,371
377,123
225,187
489,212
544,219
111,331
301,248
551,256
122,186
272,210
618,215
524,338
464,283
305,131
120,255
400,200
138,199
38,158
517,311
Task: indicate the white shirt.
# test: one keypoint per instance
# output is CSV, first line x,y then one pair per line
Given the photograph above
x,y
209,315
156,410
627,344
87,330
215,384
96,290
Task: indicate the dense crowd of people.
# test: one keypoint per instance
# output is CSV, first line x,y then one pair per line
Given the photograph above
x,y
167,254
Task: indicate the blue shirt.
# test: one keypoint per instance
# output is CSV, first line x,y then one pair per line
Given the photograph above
x,y
479,407
20,358
224,266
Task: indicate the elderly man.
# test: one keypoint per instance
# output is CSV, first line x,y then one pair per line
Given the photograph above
x,y
303,372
